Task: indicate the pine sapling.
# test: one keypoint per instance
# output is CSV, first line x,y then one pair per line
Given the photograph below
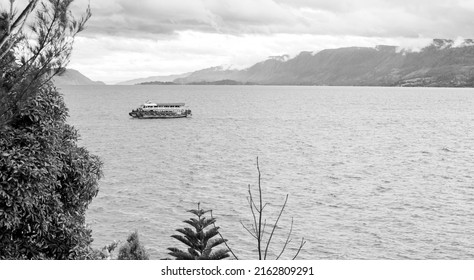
x,y
201,242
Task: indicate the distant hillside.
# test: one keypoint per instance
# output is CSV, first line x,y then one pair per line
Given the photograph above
x,y
440,64
156,83
154,79
72,77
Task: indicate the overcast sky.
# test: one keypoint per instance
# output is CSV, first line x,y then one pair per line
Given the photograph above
x,y
127,39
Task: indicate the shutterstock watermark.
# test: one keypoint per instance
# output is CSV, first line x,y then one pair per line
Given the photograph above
x,y
217,271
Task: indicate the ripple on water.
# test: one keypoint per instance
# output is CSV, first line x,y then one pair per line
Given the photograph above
x,y
371,173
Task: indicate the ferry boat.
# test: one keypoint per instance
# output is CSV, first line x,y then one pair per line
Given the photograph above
x,y
150,110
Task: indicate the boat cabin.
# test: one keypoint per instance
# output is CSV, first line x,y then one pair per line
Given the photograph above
x,y
152,106
149,106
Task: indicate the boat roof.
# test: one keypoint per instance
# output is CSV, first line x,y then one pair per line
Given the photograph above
x,y
164,104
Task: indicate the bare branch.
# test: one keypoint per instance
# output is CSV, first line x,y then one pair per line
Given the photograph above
x,y
264,226
255,206
252,210
260,213
299,249
275,225
260,224
288,240
249,231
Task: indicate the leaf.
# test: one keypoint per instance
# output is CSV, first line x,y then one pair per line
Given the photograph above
x,y
219,254
180,255
211,233
216,242
183,240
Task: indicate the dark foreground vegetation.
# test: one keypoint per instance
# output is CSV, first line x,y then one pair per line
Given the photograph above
x,y
46,180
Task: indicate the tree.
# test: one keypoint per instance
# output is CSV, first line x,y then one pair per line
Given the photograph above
x,y
46,180
258,230
201,242
31,57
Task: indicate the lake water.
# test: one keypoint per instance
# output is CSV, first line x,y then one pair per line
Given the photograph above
x,y
371,173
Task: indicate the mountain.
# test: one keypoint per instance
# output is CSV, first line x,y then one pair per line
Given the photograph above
x,y
207,75
162,79
71,77
442,63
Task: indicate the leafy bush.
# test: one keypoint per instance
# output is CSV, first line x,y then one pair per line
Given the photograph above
x,y
46,183
133,249
46,180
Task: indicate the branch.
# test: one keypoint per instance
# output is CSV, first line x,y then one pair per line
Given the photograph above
x,y
55,32
249,231
259,213
40,72
275,225
225,242
29,8
252,205
22,17
299,249
259,227
42,43
288,240
264,226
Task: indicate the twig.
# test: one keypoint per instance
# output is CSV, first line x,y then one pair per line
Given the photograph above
x,y
259,244
253,212
11,26
249,231
259,225
264,226
225,242
275,225
288,240
299,249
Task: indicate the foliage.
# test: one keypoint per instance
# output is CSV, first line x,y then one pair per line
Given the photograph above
x,y
133,249
46,180
103,254
30,57
200,241
258,228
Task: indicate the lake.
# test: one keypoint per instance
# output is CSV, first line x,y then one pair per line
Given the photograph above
x,y
370,173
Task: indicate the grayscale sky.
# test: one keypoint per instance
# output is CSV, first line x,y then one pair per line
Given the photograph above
x,y
127,39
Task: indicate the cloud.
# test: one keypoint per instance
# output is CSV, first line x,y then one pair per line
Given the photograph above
x,y
157,37
148,18
127,58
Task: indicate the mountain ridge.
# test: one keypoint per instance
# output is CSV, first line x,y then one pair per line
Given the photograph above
x,y
163,79
442,63
71,77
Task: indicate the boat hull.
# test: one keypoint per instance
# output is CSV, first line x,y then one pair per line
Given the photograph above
x,y
151,115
